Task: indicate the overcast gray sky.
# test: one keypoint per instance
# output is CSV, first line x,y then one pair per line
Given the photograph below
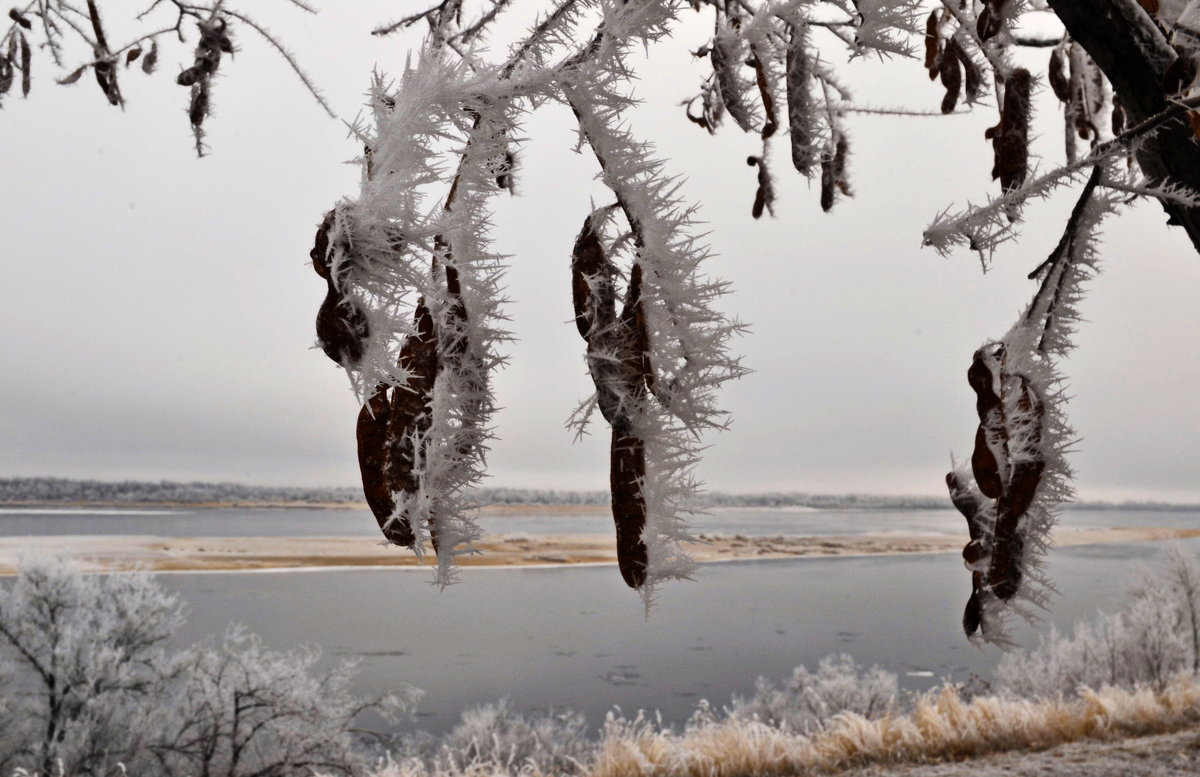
x,y
157,309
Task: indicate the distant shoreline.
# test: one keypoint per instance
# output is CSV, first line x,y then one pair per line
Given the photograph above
x,y
114,553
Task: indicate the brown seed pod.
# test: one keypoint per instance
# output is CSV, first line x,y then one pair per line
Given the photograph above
x,y
951,75
991,19
627,474
372,432
410,413
764,197
931,44
771,124
971,505
723,62
1057,74
973,79
985,467
26,70
973,613
132,55
1010,139
320,250
198,107
20,18
70,78
6,75
342,328
827,182
1118,116
590,272
799,99
150,61
841,155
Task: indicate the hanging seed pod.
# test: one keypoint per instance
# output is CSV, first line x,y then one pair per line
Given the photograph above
x,y
320,250
6,76
991,19
951,74
799,100
985,465
198,107
626,477
371,433
1010,139
771,124
841,156
20,18
342,328
932,44
595,308
150,61
132,55
764,197
410,415
71,77
730,87
975,554
974,81
26,62
827,181
1058,76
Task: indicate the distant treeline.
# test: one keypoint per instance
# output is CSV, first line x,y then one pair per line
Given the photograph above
x,y
167,491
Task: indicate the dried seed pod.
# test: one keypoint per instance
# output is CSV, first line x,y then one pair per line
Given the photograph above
x,y
342,328
20,18
73,76
951,75
410,414
764,197
198,107
150,61
132,55
187,77
6,75
971,505
827,182
1118,116
320,250
1058,76
931,44
985,466
730,87
1010,139
371,433
591,273
841,156
799,99
771,124
26,62
991,19
974,81
627,475
106,77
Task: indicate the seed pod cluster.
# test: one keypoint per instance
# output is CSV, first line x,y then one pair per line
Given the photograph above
x,y
947,60
342,326
618,356
1007,465
214,41
1010,138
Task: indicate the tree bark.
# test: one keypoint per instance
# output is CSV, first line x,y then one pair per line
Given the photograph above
x,y
1135,55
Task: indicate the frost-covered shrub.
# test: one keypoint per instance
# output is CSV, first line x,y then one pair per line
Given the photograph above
x,y
1150,640
495,739
810,699
88,687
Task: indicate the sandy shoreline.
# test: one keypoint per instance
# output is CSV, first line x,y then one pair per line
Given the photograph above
x,y
123,552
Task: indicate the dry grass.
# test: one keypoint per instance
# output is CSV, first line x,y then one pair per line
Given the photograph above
x,y
941,726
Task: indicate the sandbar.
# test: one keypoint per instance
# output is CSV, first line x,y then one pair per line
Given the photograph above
x,y
111,553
